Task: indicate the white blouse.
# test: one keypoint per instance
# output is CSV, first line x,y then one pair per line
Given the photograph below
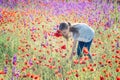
x,y
85,32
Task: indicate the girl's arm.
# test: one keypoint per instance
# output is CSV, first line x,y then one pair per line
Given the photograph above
x,y
73,48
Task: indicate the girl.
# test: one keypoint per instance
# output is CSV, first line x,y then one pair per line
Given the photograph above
x,y
81,33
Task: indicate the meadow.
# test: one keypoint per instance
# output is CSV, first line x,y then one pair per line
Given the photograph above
x,y
31,47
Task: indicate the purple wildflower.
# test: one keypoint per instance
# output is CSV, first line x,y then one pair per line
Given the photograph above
x,y
12,78
117,44
14,59
13,70
5,69
18,74
30,62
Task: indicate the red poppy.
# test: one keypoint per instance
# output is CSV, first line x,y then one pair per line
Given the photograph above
x,y
59,75
85,50
76,61
84,69
118,69
82,62
57,33
102,78
118,78
69,73
77,75
90,0
2,72
100,63
104,71
56,71
118,51
94,54
91,69
103,56
1,79
67,79
63,47
36,77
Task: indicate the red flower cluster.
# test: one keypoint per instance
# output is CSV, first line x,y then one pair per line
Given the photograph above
x,y
58,33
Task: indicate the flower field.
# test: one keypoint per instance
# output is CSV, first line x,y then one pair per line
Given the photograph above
x,y
31,47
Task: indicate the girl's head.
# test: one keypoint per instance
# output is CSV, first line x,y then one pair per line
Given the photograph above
x,y
66,28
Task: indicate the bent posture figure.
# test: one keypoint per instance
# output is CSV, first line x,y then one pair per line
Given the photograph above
x,y
81,33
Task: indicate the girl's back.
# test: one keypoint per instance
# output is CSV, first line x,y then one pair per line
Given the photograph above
x,y
85,32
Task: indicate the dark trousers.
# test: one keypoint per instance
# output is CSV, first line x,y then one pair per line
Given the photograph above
x,y
80,47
